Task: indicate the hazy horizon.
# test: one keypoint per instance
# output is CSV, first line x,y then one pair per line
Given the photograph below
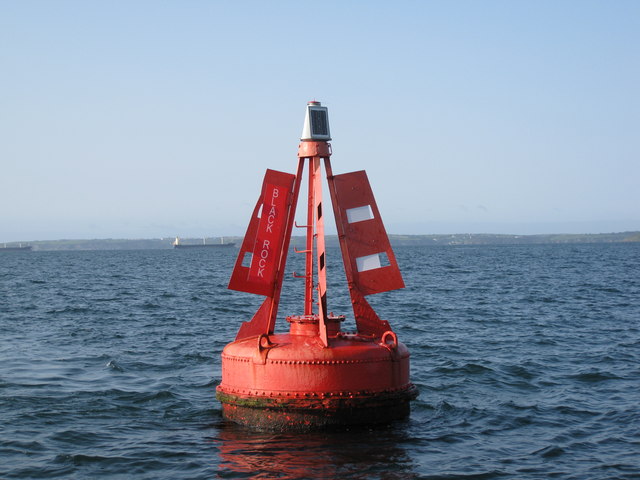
x,y
301,235
147,119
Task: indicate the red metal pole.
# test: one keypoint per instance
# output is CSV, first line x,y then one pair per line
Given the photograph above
x,y
308,292
320,247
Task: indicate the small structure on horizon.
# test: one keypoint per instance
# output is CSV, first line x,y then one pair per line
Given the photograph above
x,y
177,243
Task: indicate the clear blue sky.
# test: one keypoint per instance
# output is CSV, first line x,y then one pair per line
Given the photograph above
x,y
140,119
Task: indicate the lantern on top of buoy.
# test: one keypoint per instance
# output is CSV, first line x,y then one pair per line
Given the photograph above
x,y
316,375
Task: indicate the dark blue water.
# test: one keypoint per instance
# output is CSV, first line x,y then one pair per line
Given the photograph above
x,y
527,359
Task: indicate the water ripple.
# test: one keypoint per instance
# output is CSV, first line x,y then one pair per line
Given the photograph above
x,y
526,358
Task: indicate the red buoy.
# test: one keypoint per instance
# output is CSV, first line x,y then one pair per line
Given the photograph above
x,y
316,375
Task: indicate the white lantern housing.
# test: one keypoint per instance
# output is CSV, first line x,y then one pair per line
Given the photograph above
x,y
316,123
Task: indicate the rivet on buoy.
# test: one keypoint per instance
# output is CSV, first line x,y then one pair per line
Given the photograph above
x,y
315,368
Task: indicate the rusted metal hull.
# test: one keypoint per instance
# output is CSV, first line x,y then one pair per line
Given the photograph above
x,y
293,382
324,412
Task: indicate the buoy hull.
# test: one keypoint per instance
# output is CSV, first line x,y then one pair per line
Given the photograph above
x,y
293,382
303,415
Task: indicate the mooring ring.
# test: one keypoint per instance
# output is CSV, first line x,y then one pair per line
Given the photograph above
x,y
264,342
394,340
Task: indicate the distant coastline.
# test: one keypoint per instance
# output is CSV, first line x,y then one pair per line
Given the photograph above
x,y
396,241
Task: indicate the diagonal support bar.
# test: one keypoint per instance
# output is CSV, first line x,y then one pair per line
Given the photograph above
x,y
320,247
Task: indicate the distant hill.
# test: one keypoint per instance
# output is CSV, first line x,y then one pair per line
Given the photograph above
x,y
496,239
332,240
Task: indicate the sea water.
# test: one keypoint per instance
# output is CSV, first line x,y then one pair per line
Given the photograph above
x,y
527,359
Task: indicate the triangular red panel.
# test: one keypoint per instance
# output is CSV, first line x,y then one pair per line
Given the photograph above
x,y
366,240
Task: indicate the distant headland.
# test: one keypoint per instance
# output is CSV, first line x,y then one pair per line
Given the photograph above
x,y
332,240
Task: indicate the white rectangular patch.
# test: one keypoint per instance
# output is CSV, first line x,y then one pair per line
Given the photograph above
x,y
359,214
369,262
